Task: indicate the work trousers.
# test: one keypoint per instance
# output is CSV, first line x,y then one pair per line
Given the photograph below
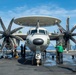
x,y
60,57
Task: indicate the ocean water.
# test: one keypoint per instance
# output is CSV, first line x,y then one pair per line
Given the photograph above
x,y
48,48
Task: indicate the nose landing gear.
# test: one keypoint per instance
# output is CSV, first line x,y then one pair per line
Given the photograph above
x,y
38,58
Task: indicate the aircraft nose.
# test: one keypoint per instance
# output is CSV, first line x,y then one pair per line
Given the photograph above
x,y
38,41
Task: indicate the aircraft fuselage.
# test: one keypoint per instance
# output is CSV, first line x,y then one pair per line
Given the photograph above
x,y
37,37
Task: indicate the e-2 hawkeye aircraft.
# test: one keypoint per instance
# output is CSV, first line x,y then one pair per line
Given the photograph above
x,y
37,38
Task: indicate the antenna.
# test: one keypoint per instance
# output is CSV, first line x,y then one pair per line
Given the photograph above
x,y
37,24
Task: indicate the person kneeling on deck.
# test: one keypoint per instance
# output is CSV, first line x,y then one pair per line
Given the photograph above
x,y
59,53
16,54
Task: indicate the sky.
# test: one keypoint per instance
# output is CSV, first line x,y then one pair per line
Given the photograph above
x,y
60,9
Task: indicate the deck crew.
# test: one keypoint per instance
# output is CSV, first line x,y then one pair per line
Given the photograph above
x,y
59,49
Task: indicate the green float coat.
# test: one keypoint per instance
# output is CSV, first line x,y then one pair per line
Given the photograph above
x,y
59,48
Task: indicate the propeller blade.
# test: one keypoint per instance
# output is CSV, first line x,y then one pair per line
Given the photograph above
x,y
73,39
67,24
17,37
60,30
1,36
10,25
3,44
11,41
73,34
60,27
73,28
2,24
68,45
16,29
1,32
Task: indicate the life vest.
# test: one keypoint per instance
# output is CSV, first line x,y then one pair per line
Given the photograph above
x,y
59,48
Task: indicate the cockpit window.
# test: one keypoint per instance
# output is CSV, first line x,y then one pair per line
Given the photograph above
x,y
42,31
28,32
33,31
47,32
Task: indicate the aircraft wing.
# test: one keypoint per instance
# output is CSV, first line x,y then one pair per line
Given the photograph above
x,y
22,35
55,36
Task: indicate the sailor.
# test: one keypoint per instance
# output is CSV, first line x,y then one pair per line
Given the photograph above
x,y
22,50
59,49
16,54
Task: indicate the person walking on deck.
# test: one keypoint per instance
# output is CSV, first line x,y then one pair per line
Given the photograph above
x,y
59,49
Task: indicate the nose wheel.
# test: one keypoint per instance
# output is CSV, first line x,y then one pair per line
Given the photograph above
x,y
38,62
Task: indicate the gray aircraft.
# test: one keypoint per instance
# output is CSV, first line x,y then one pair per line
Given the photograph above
x,y
37,38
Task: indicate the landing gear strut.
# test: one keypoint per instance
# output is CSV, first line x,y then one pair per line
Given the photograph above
x,y
38,56
38,59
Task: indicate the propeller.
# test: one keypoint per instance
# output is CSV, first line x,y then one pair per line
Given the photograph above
x,y
7,34
68,34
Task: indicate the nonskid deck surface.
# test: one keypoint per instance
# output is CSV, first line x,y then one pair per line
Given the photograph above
x,y
24,67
